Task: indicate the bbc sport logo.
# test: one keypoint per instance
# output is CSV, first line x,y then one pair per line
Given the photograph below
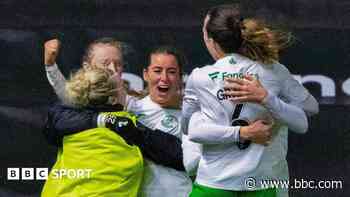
x,y
27,173
42,173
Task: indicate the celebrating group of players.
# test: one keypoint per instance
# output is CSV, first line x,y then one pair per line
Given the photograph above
x,y
175,141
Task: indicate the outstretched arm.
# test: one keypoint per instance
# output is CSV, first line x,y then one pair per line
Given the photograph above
x,y
159,146
204,131
163,148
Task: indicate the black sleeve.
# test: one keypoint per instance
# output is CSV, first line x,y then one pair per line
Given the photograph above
x,y
156,145
63,120
160,147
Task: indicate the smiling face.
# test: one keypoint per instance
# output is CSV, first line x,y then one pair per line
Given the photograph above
x,y
106,56
163,78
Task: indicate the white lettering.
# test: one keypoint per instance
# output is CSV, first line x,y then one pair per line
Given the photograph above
x,y
71,173
327,84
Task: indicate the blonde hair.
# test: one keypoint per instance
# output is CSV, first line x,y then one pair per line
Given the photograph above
x,y
90,86
262,43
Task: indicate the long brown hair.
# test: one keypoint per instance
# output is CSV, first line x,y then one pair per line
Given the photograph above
x,y
250,37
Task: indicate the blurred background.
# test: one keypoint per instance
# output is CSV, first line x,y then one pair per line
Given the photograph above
x,y
319,59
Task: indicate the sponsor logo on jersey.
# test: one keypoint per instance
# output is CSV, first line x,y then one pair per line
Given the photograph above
x,y
223,75
326,87
169,121
221,96
232,61
213,75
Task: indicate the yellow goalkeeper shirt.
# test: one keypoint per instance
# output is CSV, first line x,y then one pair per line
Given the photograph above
x,y
96,162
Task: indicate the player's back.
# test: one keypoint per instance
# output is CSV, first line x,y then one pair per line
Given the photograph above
x,y
209,82
223,165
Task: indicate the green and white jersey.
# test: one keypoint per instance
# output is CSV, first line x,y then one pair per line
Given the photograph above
x,y
154,116
291,92
223,165
160,180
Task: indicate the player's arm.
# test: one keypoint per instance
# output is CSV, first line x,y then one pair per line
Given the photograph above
x,y
203,131
54,75
156,145
161,147
192,153
190,102
251,90
296,94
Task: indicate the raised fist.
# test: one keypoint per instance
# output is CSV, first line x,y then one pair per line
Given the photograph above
x,y
51,48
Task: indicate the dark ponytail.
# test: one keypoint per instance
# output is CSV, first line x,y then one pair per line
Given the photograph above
x,y
224,26
249,37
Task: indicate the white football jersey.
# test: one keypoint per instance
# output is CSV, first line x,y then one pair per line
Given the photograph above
x,y
291,92
160,180
224,165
